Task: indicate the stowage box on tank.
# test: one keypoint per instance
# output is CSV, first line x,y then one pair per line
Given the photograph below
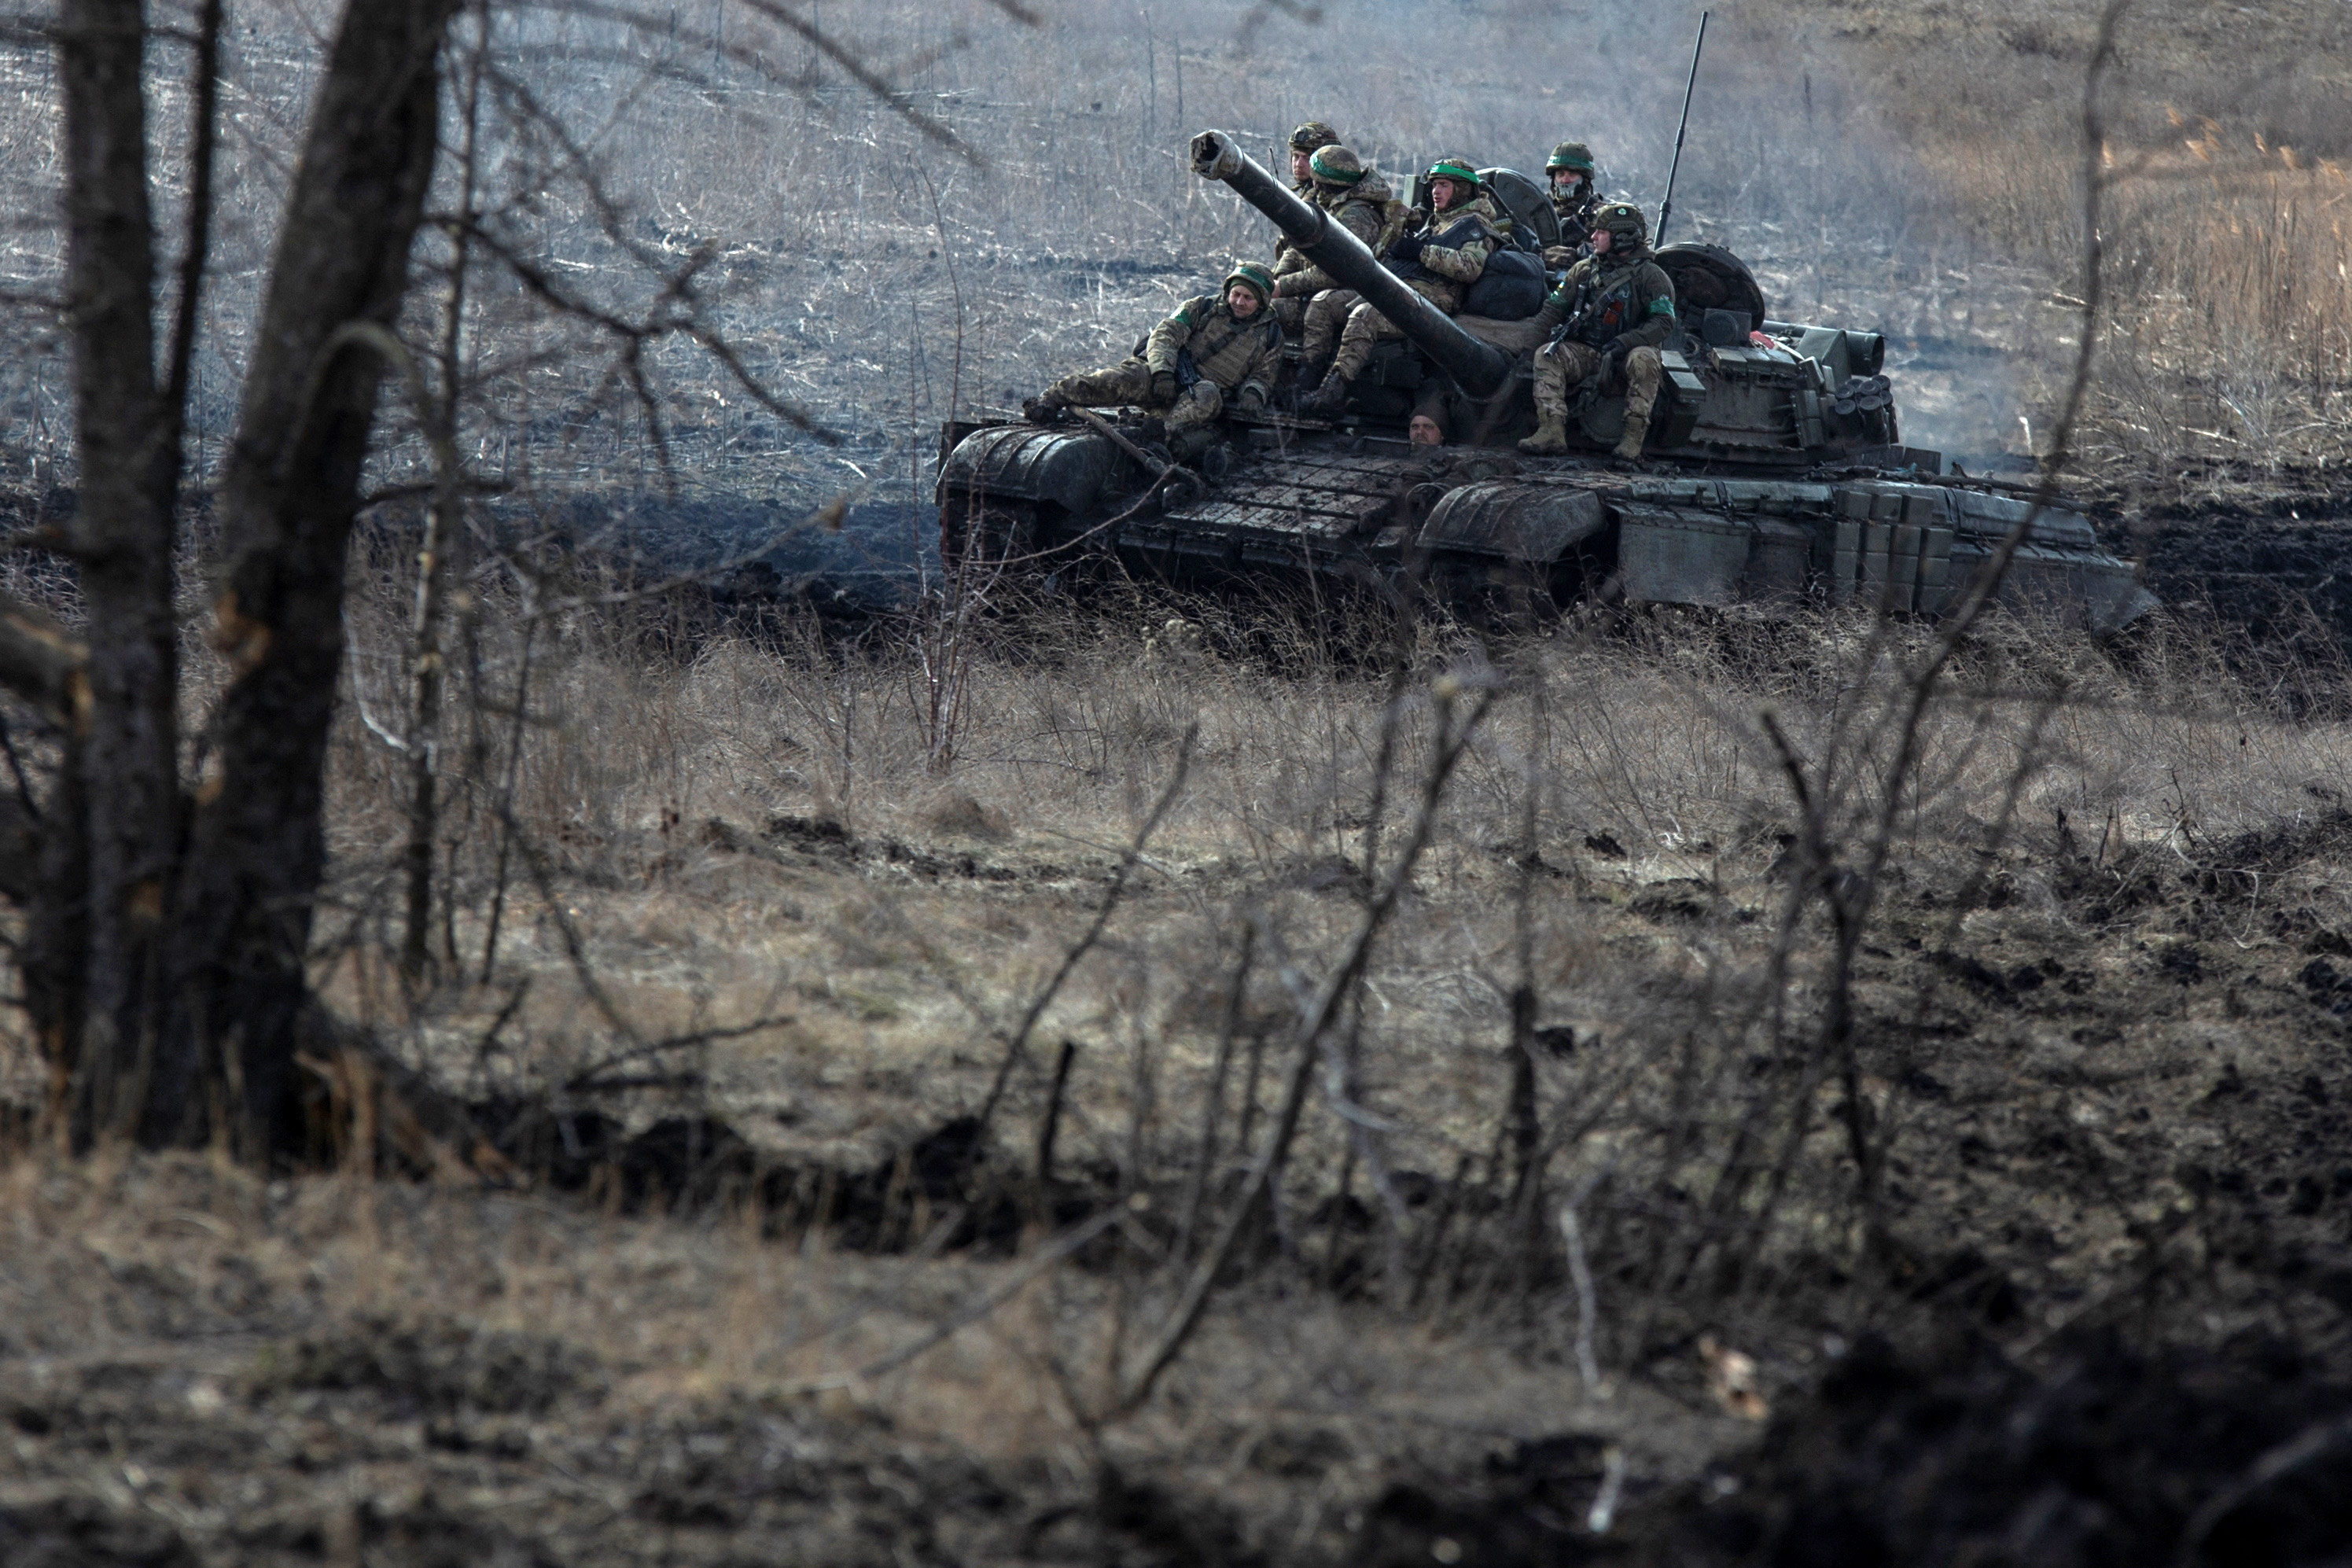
x,y
1774,471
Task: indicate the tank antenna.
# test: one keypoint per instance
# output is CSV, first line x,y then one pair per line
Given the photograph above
x,y
1666,207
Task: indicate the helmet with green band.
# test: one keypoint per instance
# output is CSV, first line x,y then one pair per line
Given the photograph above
x,y
1454,169
1574,156
1253,277
1336,165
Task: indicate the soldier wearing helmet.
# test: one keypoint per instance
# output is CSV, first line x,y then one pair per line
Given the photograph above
x,y
1304,142
1218,351
1607,319
1304,296
1575,198
1438,260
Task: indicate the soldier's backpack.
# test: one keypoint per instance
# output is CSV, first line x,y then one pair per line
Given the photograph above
x,y
1511,288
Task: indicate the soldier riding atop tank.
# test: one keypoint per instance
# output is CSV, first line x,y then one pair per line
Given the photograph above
x,y
1575,199
1607,321
1218,351
1438,260
1308,300
1304,142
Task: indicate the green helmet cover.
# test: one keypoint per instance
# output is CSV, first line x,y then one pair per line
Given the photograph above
x,y
1574,156
1313,134
1336,165
1453,169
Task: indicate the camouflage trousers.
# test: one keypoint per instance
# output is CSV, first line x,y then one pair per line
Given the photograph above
x,y
1131,382
1325,316
1566,367
1366,326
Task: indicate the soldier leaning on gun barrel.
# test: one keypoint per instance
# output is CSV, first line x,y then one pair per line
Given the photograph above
x,y
1574,198
1439,261
1308,299
1219,345
1607,318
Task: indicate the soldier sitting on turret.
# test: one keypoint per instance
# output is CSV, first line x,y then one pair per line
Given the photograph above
x,y
1213,347
1306,297
1439,261
1575,199
1607,318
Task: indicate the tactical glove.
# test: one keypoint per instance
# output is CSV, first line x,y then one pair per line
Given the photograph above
x,y
1252,400
1163,386
1612,362
1408,249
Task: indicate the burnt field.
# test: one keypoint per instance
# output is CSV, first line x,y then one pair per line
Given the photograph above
x,y
1134,1078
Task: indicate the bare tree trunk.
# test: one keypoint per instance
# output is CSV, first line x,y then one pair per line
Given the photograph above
x,y
289,493
122,801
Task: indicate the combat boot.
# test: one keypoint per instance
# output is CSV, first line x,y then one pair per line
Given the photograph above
x,y
1628,446
1188,444
1326,399
1552,432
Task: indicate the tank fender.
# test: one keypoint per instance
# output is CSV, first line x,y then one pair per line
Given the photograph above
x,y
1070,469
1512,519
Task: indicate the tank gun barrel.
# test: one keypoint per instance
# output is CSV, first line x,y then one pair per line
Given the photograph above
x,y
1480,369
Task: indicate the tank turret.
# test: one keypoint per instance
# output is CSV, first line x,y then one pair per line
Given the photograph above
x,y
1479,369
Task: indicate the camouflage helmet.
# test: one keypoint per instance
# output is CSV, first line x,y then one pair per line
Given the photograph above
x,y
1313,134
1336,165
1574,156
1252,277
1624,221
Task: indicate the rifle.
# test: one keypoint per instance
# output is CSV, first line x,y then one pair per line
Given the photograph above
x,y
1666,207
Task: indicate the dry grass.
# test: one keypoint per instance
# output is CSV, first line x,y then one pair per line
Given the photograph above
x,y
731,859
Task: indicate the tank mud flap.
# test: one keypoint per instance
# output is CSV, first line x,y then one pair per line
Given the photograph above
x,y
1514,520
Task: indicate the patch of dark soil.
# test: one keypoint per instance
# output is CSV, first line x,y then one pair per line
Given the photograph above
x,y
1958,1453
441,1366
823,840
939,1191
70,1529
2286,582
1531,1505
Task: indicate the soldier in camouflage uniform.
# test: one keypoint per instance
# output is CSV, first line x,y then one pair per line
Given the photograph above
x,y
1608,318
1439,261
1304,142
1306,297
1215,348
1575,198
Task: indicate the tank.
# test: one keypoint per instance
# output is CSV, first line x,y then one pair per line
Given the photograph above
x,y
1775,472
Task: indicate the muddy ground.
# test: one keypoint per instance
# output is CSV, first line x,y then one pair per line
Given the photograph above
x,y
2116,1324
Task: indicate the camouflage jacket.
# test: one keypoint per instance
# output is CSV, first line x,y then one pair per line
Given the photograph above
x,y
1456,243
1367,209
1606,300
1232,354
